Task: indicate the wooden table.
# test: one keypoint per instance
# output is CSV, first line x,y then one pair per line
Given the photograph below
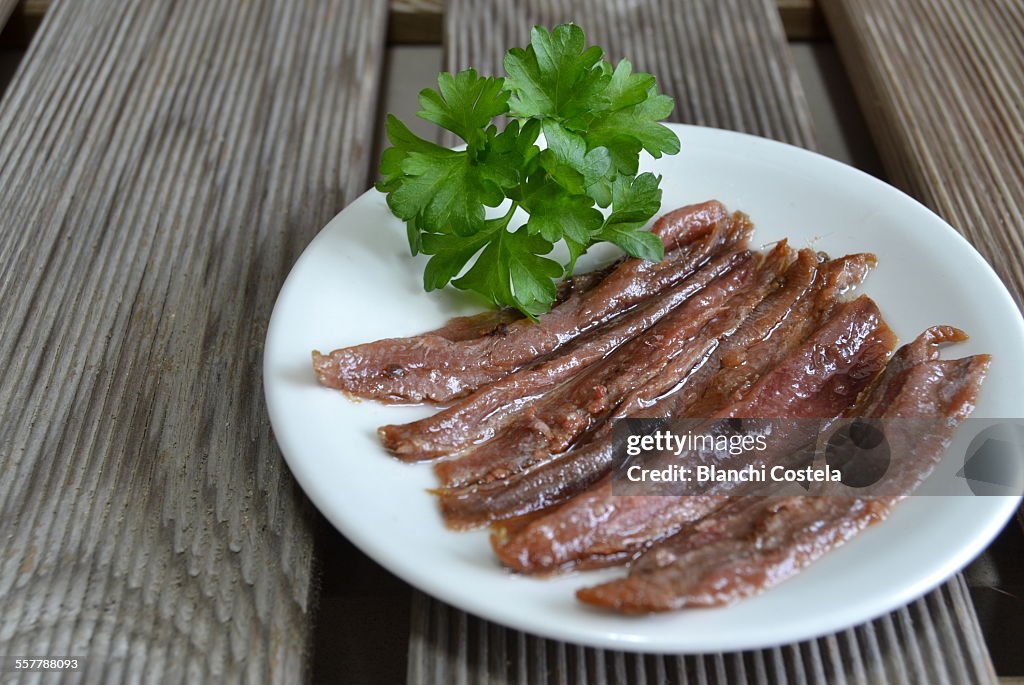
x,y
163,164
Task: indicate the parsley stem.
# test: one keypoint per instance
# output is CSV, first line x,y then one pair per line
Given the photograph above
x,y
508,215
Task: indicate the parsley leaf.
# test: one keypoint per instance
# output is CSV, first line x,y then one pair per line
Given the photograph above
x,y
510,155
575,168
511,273
555,76
465,104
626,88
444,192
556,215
630,122
640,123
450,253
634,202
596,121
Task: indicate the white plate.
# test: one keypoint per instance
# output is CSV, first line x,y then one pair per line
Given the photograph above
x,y
355,283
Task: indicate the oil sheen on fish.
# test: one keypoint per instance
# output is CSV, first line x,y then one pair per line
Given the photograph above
x,y
821,379
755,543
752,343
552,424
432,368
479,416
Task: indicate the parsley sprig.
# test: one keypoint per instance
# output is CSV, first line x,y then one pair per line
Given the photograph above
x,y
595,118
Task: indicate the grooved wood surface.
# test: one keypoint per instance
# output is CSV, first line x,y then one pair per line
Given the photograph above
x,y
906,646
162,165
941,83
803,19
727,65
419,21
6,10
725,62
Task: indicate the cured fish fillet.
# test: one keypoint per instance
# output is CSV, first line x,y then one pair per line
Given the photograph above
x,y
433,368
734,352
553,424
755,543
479,416
821,379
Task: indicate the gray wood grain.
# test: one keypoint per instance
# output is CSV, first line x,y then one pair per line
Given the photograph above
x,y
945,102
6,10
163,165
907,646
727,65
725,62
941,83
420,21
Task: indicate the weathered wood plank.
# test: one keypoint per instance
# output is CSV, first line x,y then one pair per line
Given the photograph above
x,y
6,10
415,21
163,165
941,83
803,20
727,65
875,652
420,21
20,23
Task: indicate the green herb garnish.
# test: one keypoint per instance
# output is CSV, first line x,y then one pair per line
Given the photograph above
x,y
595,118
